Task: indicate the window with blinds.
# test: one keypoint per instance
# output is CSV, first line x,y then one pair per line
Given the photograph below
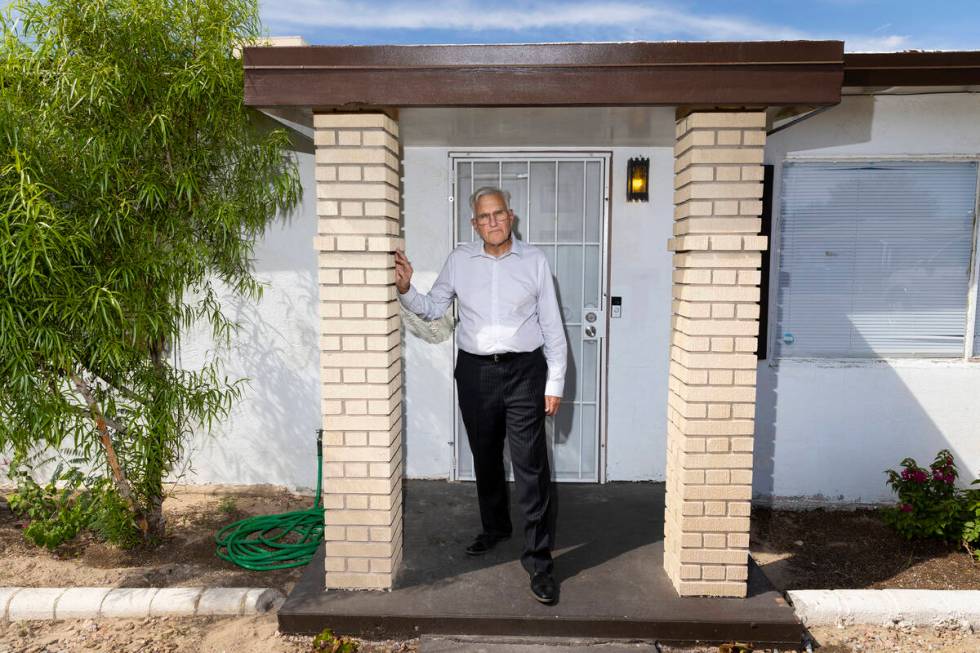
x,y
874,258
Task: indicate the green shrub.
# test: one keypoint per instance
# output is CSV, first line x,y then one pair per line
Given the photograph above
x,y
971,520
928,502
930,506
69,504
55,515
113,521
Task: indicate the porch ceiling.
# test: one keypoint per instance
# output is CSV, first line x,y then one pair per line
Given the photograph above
x,y
546,74
513,127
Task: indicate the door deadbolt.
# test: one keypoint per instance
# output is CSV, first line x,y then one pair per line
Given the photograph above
x,y
590,317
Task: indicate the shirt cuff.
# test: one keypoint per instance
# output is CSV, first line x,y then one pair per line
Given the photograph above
x,y
554,388
408,297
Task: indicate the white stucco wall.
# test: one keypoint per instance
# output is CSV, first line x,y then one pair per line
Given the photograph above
x,y
827,429
269,436
428,391
640,273
639,341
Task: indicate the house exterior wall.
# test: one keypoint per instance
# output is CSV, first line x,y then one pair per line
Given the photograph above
x,y
824,429
277,351
269,436
827,429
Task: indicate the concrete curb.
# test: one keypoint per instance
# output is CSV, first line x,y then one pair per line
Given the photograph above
x,y
887,607
23,603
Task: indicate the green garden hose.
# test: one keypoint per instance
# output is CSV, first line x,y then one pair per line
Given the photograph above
x,y
268,542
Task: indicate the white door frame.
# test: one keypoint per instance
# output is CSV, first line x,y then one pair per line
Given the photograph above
x,y
603,363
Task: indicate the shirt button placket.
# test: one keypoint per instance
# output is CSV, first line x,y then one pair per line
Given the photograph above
x,y
494,318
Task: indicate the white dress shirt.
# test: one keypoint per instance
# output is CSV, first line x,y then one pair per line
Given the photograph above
x,y
506,304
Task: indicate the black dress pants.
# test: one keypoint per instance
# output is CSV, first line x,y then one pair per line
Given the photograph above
x,y
500,399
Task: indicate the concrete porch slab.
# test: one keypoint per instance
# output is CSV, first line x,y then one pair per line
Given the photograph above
x,y
609,560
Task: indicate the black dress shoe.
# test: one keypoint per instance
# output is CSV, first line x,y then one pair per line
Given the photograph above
x,y
544,588
483,543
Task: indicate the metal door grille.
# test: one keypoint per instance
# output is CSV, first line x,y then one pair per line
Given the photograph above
x,y
560,205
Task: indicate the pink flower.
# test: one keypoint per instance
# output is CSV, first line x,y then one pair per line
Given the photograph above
x,y
906,474
949,479
905,507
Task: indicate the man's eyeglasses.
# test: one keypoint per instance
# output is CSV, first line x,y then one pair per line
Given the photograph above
x,y
499,216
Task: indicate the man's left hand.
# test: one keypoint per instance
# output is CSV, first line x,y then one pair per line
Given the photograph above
x,y
551,404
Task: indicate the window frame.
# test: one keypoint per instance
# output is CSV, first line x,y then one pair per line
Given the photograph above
x,y
969,354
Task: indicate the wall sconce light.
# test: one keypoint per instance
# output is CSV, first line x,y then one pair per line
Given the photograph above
x,y
638,180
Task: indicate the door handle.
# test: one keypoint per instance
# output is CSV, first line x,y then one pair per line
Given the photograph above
x,y
590,331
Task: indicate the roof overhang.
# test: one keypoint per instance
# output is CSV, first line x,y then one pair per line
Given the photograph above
x,y
889,69
546,74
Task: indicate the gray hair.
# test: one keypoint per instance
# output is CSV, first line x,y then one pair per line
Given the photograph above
x,y
488,190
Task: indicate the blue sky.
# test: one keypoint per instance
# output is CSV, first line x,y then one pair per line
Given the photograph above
x,y
864,25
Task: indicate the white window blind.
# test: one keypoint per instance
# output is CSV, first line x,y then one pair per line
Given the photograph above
x,y
874,258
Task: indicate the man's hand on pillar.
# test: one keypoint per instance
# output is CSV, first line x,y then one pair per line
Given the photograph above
x,y
403,272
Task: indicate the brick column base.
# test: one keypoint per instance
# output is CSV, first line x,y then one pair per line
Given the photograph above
x,y
358,199
715,325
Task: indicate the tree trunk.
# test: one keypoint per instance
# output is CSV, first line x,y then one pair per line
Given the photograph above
x,y
156,522
118,476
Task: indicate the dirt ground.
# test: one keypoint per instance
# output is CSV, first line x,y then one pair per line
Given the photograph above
x,y
166,635
186,558
843,549
865,639
812,550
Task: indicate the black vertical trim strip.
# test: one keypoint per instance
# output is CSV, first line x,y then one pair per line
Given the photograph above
x,y
766,230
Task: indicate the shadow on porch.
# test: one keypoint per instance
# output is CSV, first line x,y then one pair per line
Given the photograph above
x,y
609,560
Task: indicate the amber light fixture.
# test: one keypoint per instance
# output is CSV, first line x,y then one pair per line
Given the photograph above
x,y
638,180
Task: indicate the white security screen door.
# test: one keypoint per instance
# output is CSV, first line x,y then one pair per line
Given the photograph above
x,y
559,202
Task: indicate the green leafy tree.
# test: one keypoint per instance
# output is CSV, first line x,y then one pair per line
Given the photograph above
x,y
133,185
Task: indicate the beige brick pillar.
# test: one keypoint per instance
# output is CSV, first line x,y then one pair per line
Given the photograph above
x,y
715,325
358,199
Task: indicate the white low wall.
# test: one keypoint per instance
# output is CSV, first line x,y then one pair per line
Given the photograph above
x,y
826,431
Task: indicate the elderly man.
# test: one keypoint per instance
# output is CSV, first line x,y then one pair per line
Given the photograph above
x,y
510,372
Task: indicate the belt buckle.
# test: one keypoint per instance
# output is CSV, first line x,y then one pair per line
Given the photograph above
x,y
496,358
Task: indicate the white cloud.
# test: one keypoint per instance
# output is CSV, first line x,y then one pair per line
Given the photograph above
x,y
635,20
891,43
471,16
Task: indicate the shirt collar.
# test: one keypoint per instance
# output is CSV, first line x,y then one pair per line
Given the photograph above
x,y
516,247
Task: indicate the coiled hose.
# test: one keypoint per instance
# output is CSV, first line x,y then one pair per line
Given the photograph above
x,y
281,541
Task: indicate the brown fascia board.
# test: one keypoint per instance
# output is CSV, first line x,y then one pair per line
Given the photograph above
x,y
546,74
912,69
